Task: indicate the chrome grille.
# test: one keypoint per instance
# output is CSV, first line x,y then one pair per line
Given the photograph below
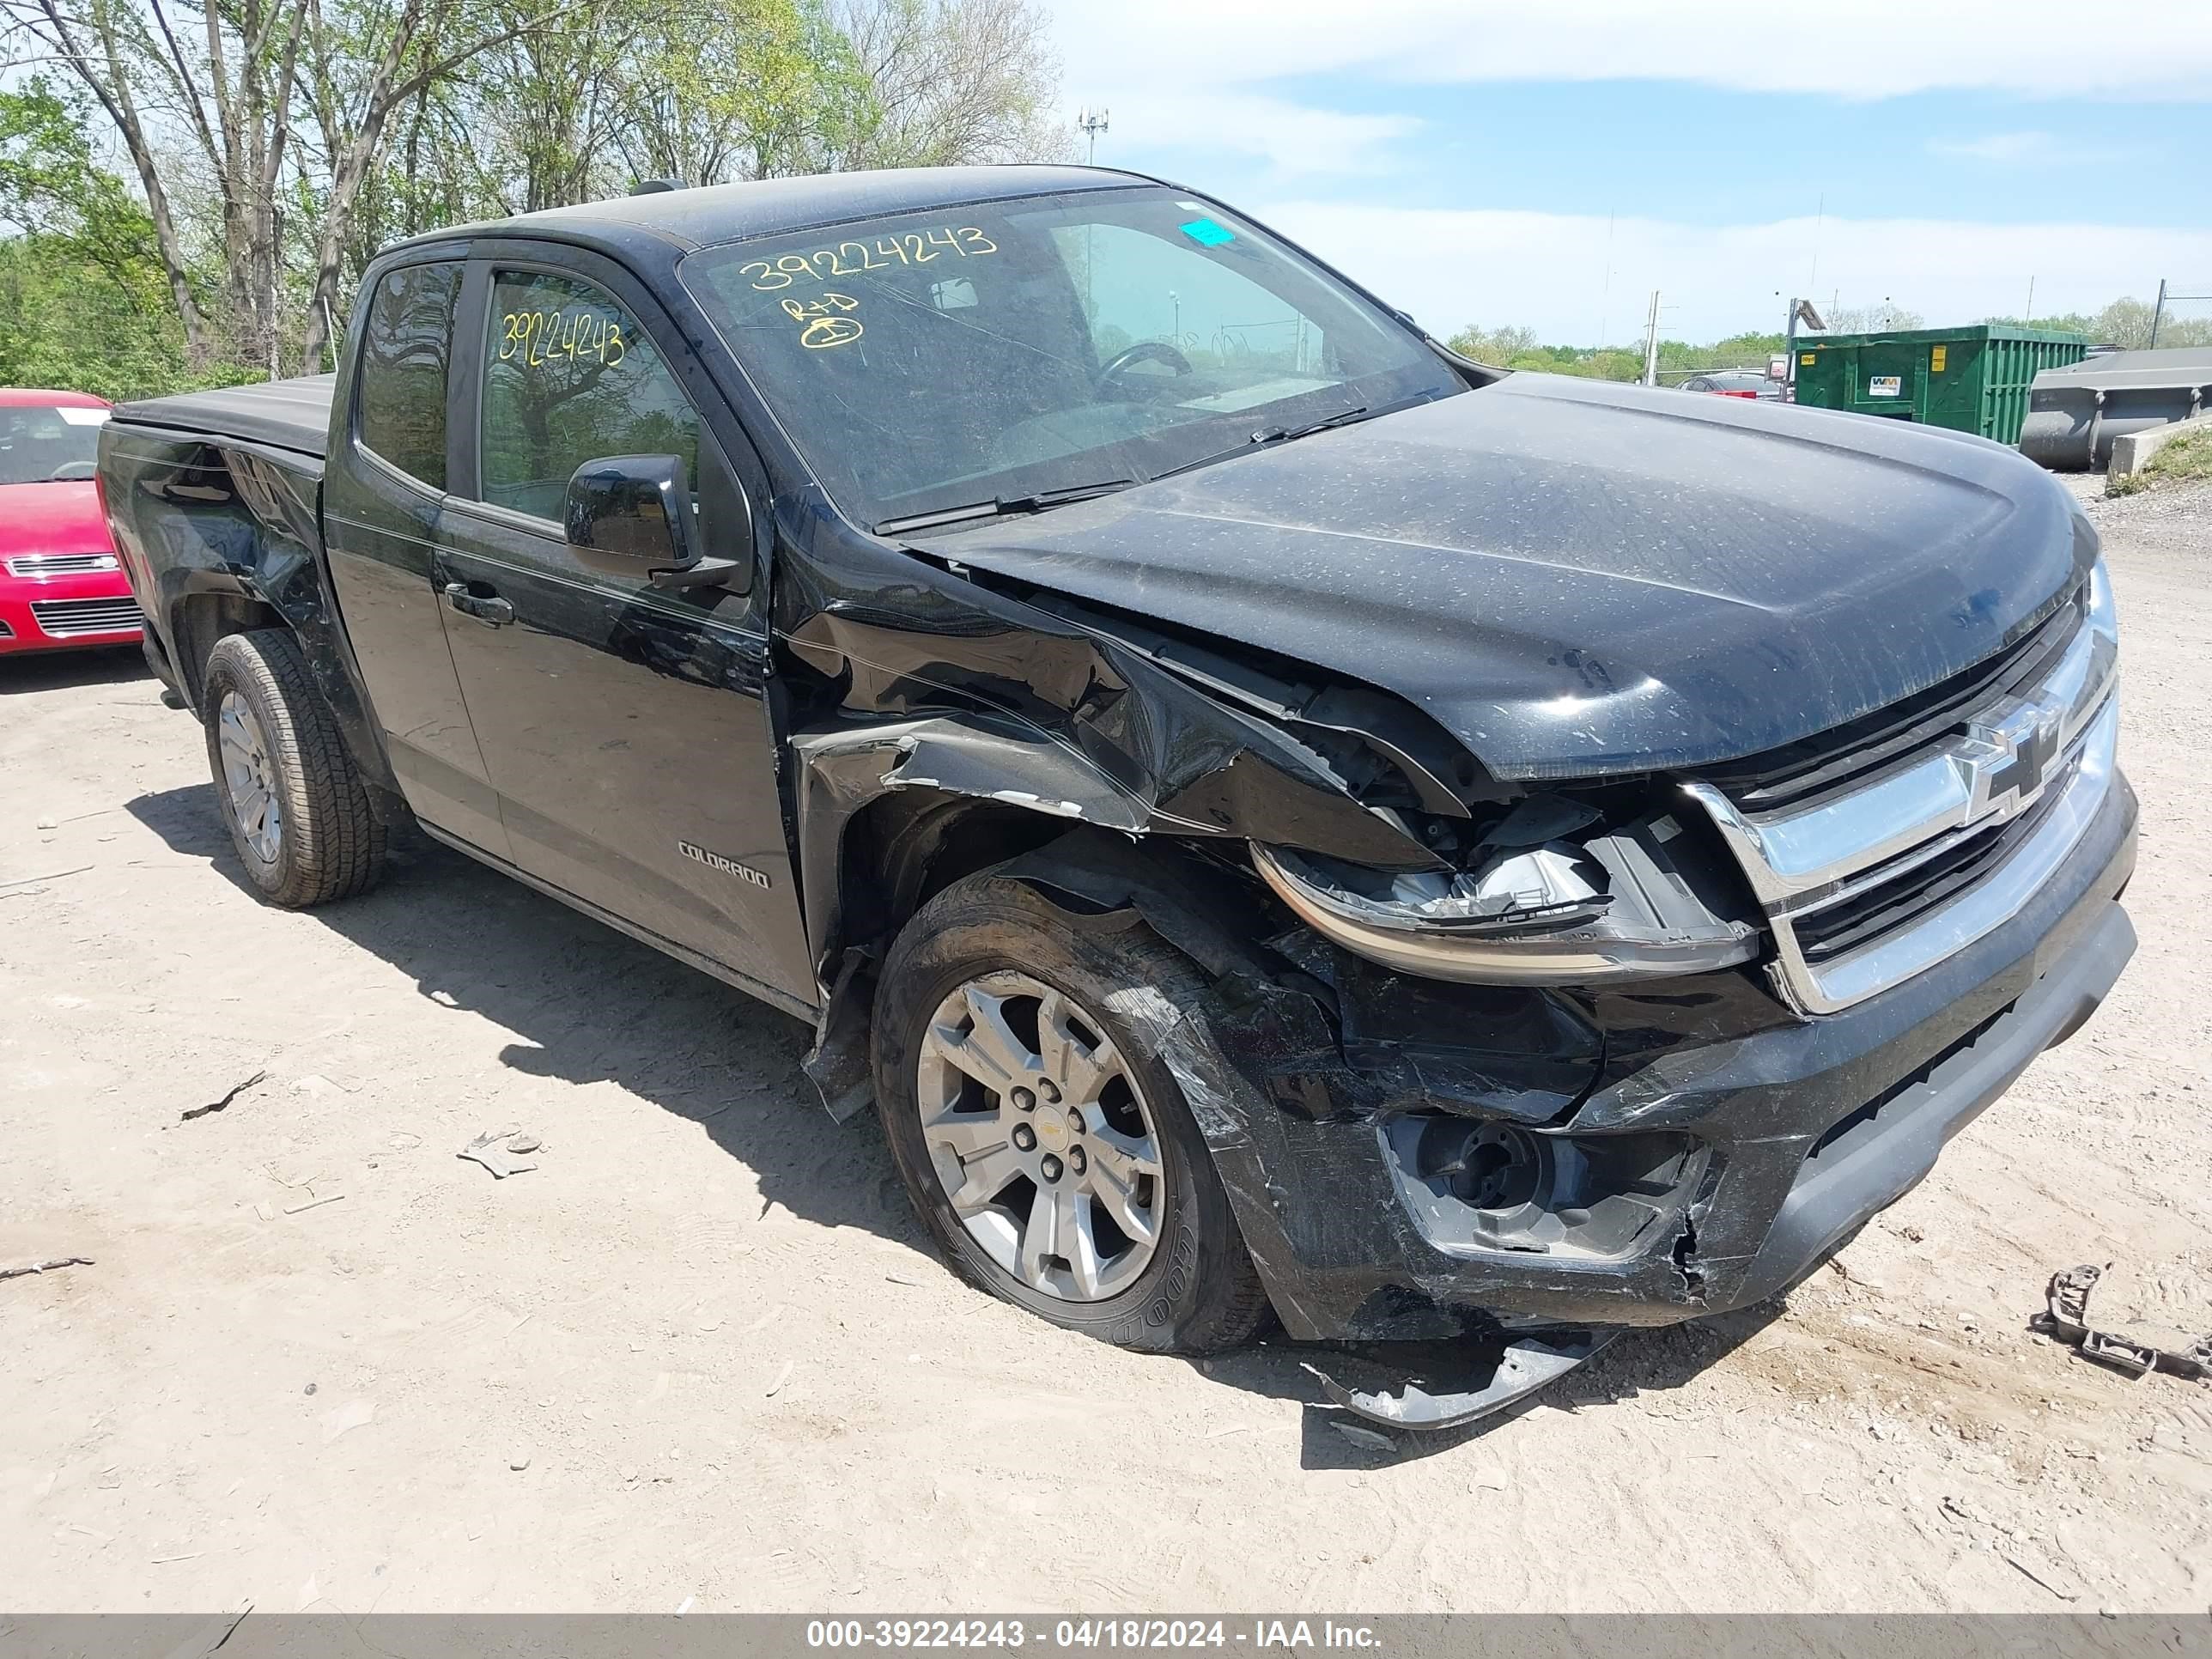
x,y
60,618
1835,758
1927,827
35,566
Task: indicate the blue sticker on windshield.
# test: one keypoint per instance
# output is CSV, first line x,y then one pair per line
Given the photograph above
x,y
1207,233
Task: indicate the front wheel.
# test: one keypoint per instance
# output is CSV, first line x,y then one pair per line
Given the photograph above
x,y
1048,1146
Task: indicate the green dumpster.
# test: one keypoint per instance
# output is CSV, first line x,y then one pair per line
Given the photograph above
x,y
1972,380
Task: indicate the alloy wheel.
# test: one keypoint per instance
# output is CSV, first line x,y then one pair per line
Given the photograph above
x,y
1041,1137
250,777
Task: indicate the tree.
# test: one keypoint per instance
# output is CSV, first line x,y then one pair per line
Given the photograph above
x,y
2124,323
1883,318
1493,345
953,82
111,49
51,188
742,89
367,59
274,144
83,299
218,89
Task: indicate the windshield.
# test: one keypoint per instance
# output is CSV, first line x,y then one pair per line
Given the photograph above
x,y
41,445
1006,351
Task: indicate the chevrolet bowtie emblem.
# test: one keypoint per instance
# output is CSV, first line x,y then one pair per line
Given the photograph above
x,y
2013,757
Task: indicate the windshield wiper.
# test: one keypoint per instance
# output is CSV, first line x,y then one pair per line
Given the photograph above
x,y
1000,506
1267,436
1279,434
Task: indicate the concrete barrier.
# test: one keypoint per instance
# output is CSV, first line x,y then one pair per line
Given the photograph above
x,y
2132,449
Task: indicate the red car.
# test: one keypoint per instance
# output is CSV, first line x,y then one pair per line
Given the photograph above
x,y
61,585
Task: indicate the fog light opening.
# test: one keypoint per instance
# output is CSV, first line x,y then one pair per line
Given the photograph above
x,y
1482,1184
1495,1168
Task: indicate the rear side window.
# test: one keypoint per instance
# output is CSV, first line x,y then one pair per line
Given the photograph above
x,y
569,376
404,352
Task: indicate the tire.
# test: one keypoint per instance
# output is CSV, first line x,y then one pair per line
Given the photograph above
x,y
1195,1290
266,718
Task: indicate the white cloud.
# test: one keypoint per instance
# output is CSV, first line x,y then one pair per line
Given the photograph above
x,y
1872,49
1550,271
2022,150
1295,141
2010,149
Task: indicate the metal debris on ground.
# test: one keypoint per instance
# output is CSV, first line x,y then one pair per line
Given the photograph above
x,y
45,1266
502,1152
2065,1319
229,1094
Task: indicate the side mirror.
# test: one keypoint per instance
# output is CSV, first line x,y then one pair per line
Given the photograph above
x,y
631,516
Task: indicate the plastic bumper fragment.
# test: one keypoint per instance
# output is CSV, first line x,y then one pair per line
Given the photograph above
x,y
1481,1390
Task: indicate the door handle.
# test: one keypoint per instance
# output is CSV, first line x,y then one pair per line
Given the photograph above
x,y
487,608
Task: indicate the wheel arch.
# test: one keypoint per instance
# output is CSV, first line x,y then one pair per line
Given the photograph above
x,y
202,618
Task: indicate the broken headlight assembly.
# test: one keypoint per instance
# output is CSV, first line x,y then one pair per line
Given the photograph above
x,y
1542,901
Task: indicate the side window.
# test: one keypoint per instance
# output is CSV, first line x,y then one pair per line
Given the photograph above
x,y
569,376
401,408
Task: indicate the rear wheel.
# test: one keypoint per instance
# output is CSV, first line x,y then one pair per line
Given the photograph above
x,y
291,796
1044,1140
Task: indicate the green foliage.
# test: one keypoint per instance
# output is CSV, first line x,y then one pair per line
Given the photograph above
x,y
85,305
2066,322
70,322
279,143
1871,319
50,184
1518,348
2185,459
2125,324
748,89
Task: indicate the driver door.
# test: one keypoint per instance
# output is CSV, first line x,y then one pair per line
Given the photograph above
x,y
624,725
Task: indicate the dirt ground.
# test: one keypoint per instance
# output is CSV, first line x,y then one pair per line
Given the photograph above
x,y
701,1356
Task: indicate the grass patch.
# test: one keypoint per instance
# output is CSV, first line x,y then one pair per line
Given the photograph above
x,y
2187,459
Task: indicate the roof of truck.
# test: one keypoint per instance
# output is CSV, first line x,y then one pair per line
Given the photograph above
x,y
727,213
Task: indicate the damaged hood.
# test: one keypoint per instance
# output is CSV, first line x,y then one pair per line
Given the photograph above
x,y
1577,578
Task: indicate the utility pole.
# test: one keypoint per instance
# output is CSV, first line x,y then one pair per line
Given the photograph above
x,y
1651,343
1091,122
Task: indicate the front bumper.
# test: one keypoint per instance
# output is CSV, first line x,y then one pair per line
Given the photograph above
x,y
67,613
1794,1130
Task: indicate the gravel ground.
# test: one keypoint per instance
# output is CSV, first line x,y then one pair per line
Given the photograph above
x,y
702,1354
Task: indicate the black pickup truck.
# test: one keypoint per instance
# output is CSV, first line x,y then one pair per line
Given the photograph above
x,y
1278,817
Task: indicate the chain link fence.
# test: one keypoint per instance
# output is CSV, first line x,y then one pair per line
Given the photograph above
x,y
2183,314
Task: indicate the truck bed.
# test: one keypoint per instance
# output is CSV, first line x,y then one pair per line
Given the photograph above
x,y
293,415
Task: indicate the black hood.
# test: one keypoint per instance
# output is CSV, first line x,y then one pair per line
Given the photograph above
x,y
1578,578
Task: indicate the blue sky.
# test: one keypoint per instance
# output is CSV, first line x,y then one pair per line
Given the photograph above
x,y
1550,162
